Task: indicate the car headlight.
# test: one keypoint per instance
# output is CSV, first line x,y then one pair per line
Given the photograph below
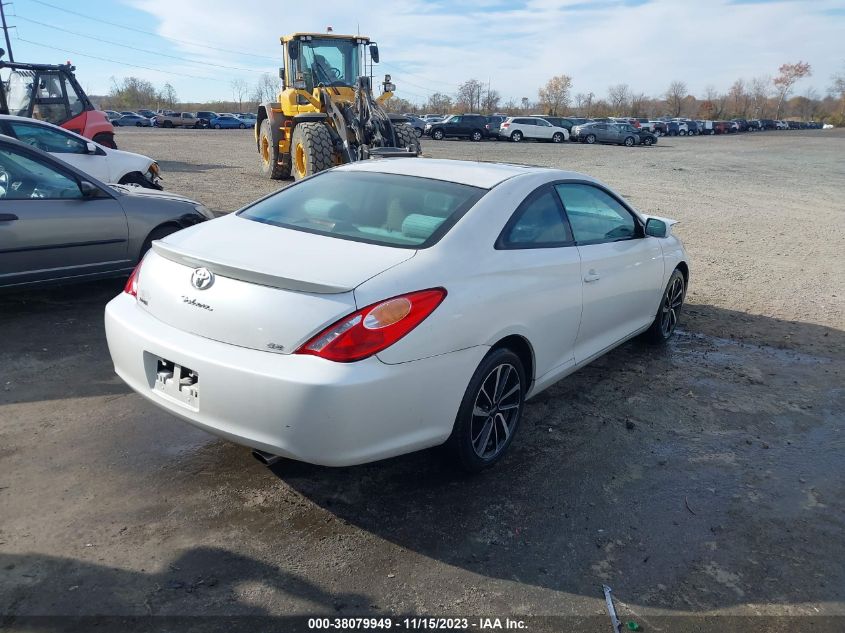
x,y
204,211
155,171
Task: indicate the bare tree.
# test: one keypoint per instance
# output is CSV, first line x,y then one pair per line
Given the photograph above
x,y
266,89
439,103
789,74
675,96
760,89
619,97
167,96
239,91
511,107
739,98
526,104
469,96
554,97
490,100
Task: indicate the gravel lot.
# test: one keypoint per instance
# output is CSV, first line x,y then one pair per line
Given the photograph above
x,y
707,477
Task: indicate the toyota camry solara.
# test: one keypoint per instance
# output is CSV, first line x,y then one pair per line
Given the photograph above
x,y
387,306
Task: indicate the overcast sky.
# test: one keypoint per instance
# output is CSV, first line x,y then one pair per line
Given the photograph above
x,y
433,45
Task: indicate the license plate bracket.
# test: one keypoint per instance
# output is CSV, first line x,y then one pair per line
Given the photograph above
x,y
178,383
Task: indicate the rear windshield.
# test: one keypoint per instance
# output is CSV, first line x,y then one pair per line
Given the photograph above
x,y
385,209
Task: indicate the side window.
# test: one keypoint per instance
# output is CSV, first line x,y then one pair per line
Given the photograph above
x,y
455,119
22,178
595,216
47,139
537,223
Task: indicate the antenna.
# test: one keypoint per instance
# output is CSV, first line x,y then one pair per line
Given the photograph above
x,y
6,30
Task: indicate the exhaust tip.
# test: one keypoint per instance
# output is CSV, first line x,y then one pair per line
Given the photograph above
x,y
268,459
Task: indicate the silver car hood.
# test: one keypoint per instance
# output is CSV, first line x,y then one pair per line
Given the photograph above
x,y
141,192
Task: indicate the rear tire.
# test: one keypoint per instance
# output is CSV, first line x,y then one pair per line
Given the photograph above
x,y
487,422
516,137
311,150
406,137
669,311
476,136
648,141
273,165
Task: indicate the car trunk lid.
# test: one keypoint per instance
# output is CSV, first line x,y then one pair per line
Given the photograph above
x,y
271,288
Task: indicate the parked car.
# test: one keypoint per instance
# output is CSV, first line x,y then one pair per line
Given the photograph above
x,y
646,124
103,163
494,122
178,119
204,117
680,127
463,277
112,115
768,124
532,128
132,120
432,118
793,125
564,122
692,127
755,125
599,132
67,225
227,121
659,127
705,127
741,125
469,126
149,114
781,125
644,137
721,127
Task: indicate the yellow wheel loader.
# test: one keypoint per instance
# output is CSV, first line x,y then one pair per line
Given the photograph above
x,y
326,114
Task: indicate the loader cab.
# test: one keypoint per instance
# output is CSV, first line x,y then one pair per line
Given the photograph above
x,y
46,94
333,61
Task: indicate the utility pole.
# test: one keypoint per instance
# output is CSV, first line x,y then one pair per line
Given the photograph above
x,y
6,31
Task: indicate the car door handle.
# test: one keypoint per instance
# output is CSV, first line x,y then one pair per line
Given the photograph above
x,y
591,276
7,217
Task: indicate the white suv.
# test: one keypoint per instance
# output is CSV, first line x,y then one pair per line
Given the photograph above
x,y
518,128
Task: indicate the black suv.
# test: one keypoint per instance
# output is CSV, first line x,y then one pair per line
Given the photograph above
x,y
205,118
471,126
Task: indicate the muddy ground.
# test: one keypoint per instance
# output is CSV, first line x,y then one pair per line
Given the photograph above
x,y
707,477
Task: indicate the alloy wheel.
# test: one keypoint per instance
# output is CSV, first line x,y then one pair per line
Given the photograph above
x,y
495,411
672,301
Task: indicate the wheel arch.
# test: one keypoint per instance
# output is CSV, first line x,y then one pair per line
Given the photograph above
x,y
520,346
684,268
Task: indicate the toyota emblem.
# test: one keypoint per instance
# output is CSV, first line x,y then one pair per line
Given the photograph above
x,y
202,278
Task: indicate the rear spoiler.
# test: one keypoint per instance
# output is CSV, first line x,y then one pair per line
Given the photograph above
x,y
235,271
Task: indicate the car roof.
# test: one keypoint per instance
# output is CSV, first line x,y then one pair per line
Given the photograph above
x,y
466,172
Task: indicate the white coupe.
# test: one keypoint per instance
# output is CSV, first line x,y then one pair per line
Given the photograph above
x,y
387,306
103,163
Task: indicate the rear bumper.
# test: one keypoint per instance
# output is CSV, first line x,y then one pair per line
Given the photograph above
x,y
296,406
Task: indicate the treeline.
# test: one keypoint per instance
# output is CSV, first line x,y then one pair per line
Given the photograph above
x,y
758,98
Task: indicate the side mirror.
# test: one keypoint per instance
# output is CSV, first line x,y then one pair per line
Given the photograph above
x,y
90,147
88,189
282,73
293,50
374,53
655,227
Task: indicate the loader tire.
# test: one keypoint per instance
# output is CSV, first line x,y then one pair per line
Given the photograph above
x,y
311,150
406,137
273,165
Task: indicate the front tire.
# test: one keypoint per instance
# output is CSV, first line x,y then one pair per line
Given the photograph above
x,y
407,138
311,149
557,138
437,135
590,139
629,141
663,326
490,412
648,141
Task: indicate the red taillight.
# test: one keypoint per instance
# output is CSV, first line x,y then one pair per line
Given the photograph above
x,y
374,328
505,125
131,287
